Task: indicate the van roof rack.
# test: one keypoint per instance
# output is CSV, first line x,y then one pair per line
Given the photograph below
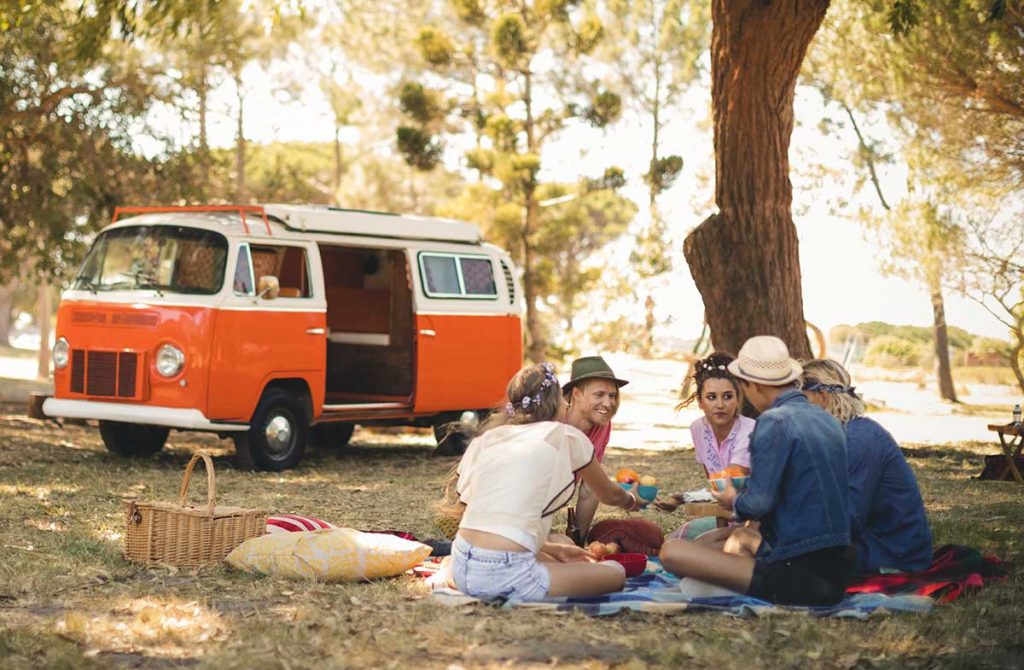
x,y
241,209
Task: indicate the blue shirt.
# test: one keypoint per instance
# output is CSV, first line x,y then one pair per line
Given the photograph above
x,y
798,487
889,524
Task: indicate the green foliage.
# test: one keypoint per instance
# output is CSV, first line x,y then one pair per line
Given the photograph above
x,y
503,131
613,179
892,351
604,109
510,40
663,173
469,11
419,148
435,46
588,34
423,105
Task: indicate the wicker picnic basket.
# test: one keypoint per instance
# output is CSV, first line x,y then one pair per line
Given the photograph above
x,y
179,534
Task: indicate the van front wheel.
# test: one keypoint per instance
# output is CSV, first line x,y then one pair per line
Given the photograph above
x,y
132,439
276,438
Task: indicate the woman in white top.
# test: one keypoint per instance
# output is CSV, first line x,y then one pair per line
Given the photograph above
x,y
523,467
721,438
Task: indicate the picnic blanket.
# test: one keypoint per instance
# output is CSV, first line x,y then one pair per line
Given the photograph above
x,y
954,570
658,591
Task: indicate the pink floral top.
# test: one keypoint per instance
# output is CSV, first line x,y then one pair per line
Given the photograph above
x,y
735,449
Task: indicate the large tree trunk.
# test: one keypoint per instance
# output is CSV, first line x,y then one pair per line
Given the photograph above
x,y
745,259
943,369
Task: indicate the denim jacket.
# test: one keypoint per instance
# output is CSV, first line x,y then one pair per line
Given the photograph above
x,y
799,486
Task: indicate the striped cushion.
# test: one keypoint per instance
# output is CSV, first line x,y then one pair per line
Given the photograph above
x,y
293,523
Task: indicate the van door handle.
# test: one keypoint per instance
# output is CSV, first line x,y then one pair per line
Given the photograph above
x,y
315,331
427,332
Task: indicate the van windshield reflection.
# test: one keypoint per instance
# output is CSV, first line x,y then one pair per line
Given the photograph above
x,y
164,259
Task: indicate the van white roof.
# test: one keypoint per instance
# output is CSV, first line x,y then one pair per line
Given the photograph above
x,y
334,220
320,219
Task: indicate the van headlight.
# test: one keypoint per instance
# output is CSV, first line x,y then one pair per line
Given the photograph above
x,y
61,350
169,360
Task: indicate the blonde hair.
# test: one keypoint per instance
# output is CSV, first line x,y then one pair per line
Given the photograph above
x,y
533,395
840,399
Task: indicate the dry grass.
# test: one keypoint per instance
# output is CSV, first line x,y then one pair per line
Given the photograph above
x,y
67,599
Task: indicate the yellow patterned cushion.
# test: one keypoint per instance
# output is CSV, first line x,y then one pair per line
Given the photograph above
x,y
339,554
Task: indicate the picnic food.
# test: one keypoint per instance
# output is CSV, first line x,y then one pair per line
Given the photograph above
x,y
631,535
731,471
626,476
648,480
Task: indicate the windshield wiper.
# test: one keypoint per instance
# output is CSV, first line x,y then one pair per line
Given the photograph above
x,y
143,279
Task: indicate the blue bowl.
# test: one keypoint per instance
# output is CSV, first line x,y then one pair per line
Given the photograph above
x,y
647,493
739,483
626,485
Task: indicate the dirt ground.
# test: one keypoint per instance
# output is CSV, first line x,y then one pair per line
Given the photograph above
x,y
69,600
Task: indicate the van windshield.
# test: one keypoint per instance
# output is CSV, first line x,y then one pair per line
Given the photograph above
x,y
172,259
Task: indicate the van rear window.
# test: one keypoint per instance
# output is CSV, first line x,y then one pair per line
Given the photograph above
x,y
457,276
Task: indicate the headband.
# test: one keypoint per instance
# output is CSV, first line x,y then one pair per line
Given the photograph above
x,y
830,388
548,381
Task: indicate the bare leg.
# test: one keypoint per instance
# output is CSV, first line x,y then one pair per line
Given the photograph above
x,y
743,542
586,508
585,579
690,559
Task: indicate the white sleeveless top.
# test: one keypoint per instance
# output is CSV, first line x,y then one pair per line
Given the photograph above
x,y
514,478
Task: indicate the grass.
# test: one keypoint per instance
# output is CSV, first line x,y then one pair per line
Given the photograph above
x,y
68,599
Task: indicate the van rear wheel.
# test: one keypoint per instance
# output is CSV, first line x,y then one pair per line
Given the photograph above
x,y
276,439
132,439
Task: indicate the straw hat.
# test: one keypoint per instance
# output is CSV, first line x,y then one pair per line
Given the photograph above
x,y
591,367
764,359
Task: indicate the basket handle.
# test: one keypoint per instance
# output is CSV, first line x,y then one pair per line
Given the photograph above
x,y
211,489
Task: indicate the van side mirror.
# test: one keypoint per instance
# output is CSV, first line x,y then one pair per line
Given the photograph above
x,y
268,287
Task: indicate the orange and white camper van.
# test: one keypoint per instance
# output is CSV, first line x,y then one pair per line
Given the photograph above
x,y
269,323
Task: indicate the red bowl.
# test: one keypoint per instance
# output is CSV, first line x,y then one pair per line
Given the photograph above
x,y
635,564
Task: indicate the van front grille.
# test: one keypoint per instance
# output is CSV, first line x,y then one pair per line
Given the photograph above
x,y
111,374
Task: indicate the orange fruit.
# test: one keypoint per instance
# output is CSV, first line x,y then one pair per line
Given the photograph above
x,y
611,548
626,476
597,549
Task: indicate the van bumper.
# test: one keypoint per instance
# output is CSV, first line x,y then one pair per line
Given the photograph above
x,y
171,417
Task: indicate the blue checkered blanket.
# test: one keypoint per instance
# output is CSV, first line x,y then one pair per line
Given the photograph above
x,y
658,591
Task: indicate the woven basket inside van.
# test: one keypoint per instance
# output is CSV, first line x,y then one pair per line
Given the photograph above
x,y
179,534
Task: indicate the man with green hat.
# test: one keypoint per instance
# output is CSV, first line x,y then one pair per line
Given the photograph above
x,y
592,397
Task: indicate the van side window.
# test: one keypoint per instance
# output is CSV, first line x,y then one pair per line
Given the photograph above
x,y
243,272
457,276
288,264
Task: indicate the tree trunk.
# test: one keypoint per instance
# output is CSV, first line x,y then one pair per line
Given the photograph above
x,y
43,316
537,345
337,162
1015,355
240,141
745,259
943,369
6,304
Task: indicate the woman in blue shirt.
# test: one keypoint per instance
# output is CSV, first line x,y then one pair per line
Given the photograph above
x,y
887,518
798,490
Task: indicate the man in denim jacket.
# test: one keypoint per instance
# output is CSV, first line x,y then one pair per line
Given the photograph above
x,y
798,491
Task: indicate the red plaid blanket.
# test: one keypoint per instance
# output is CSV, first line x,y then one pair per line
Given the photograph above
x,y
954,569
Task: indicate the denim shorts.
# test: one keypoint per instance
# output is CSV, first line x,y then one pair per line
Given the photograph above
x,y
498,575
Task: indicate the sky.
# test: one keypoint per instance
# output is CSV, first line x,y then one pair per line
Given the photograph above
x,y
841,279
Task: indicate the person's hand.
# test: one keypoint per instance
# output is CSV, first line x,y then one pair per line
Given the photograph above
x,y
568,553
669,504
636,502
727,497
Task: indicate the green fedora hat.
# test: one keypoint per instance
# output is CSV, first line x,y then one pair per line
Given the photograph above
x,y
591,367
